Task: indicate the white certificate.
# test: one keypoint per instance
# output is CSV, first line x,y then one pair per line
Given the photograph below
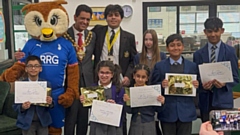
x,y
221,71
34,92
106,113
180,85
145,95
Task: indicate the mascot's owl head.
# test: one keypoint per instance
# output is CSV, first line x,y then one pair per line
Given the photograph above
x,y
46,21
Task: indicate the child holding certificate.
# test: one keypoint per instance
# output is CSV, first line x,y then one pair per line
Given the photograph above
x,y
149,56
179,111
216,95
108,75
33,119
142,121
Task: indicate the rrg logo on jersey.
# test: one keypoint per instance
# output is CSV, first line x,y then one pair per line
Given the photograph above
x,y
49,58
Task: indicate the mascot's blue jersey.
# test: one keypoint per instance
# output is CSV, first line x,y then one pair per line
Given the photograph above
x,y
55,56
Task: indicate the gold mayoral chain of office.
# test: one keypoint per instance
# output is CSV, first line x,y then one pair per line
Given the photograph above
x,y
109,46
80,50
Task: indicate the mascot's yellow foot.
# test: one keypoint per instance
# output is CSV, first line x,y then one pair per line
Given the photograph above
x,y
54,131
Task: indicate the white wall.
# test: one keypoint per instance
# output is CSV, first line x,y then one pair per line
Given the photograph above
x,y
132,24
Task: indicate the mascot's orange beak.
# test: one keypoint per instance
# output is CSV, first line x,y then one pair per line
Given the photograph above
x,y
47,33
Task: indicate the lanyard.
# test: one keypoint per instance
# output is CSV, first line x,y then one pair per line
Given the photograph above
x,y
109,46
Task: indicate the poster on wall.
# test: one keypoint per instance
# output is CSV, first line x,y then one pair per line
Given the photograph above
x,y
2,27
20,39
155,23
98,16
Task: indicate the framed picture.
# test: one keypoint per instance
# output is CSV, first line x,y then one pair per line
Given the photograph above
x,y
98,16
154,9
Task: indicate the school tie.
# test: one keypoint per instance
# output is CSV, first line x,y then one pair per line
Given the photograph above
x,y
213,54
111,39
80,42
112,36
176,63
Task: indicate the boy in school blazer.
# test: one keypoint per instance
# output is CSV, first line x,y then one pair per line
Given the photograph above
x,y
33,119
124,47
215,95
24,120
179,111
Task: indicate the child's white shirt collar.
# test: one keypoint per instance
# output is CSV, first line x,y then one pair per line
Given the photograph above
x,y
179,60
106,87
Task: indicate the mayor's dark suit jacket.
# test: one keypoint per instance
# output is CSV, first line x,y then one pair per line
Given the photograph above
x,y
175,107
127,45
86,66
223,97
24,118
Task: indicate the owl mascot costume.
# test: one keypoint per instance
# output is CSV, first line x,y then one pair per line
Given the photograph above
x,y
46,22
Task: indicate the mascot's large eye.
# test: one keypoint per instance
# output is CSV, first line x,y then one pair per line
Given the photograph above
x,y
37,20
54,20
